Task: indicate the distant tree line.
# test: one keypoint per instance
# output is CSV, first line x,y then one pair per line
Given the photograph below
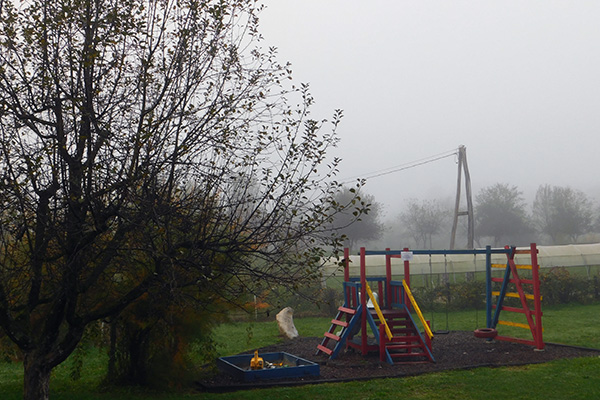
x,y
557,215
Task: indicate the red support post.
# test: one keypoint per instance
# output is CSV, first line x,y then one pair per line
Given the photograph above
x,y
407,269
382,341
388,277
346,264
534,316
349,291
539,340
407,279
363,300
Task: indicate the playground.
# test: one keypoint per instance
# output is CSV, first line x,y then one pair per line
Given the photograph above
x,y
387,335
455,350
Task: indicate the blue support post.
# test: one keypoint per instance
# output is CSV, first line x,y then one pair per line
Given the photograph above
x,y
488,286
504,287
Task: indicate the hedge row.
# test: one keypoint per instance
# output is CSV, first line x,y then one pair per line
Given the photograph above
x,y
558,286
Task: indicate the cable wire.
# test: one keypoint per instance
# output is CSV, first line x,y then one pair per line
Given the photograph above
x,y
405,166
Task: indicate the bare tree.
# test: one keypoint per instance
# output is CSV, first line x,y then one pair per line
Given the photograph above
x,y
147,146
423,220
562,213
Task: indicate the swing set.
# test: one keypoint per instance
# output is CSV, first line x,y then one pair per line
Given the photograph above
x,y
391,317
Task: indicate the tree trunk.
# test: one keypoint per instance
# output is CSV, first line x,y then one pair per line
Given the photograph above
x,y
129,354
113,362
139,357
36,382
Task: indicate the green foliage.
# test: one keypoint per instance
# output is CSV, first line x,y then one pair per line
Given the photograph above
x,y
562,213
500,213
8,349
359,216
309,300
559,286
466,295
150,147
152,342
312,301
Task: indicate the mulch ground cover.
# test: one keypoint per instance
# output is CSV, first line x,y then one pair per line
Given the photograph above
x,y
453,350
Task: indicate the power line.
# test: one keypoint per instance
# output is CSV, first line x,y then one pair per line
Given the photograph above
x,y
405,166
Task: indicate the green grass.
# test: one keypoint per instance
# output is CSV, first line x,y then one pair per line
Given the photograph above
x,y
62,385
562,379
572,379
233,338
571,324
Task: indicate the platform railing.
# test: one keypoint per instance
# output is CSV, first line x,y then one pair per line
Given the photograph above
x,y
379,284
397,294
351,294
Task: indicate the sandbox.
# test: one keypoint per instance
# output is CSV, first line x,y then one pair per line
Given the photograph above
x,y
285,365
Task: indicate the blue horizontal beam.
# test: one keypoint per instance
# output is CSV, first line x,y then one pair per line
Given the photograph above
x,y
369,279
432,252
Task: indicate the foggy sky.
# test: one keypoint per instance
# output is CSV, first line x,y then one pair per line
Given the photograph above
x,y
516,82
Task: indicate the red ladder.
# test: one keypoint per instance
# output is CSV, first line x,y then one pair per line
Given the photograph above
x,y
529,297
352,315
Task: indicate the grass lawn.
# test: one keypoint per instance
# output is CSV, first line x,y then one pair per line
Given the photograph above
x,y
562,379
559,380
571,324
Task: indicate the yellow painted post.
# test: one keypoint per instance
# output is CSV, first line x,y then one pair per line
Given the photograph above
x,y
388,332
416,307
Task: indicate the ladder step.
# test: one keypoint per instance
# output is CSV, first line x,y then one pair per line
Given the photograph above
x,y
347,310
403,346
406,339
515,324
519,266
325,350
402,331
333,336
518,310
393,324
523,266
516,295
406,355
339,323
402,322
523,251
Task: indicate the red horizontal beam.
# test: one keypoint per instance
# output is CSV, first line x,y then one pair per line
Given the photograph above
x,y
515,340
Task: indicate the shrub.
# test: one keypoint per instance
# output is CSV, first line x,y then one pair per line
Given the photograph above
x,y
467,295
559,286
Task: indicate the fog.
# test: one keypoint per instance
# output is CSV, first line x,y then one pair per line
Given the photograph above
x,y
516,82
